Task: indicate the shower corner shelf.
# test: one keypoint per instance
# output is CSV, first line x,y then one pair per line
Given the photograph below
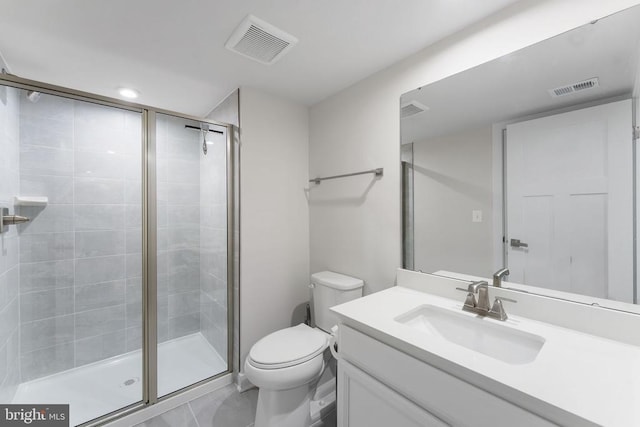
x,y
31,200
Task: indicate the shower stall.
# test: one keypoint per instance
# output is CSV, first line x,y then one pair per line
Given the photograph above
x,y
116,292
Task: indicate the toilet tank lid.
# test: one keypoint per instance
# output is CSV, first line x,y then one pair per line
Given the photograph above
x,y
336,280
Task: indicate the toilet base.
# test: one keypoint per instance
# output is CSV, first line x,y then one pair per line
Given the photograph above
x,y
285,408
323,404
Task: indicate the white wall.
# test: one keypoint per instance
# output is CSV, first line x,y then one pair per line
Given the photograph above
x,y
453,177
3,64
355,231
227,110
274,215
636,123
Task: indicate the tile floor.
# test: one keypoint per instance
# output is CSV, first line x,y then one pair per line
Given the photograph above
x,y
221,408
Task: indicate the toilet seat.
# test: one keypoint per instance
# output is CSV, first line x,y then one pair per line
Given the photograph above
x,y
285,378
288,347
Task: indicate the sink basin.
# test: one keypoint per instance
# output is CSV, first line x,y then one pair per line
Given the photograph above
x,y
481,335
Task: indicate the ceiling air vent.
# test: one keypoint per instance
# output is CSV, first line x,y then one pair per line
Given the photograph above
x,y
411,109
575,87
260,41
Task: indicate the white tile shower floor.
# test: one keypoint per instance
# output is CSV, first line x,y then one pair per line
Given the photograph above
x,y
97,389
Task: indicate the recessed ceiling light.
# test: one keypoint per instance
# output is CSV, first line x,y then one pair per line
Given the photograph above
x,y
125,92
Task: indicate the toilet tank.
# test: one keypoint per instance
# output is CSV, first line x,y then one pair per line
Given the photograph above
x,y
329,289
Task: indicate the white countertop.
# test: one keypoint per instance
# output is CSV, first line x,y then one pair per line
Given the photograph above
x,y
595,378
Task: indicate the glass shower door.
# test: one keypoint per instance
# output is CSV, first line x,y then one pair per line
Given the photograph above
x,y
192,251
70,277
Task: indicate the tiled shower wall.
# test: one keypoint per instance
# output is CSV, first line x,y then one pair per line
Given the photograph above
x,y
80,256
178,170
192,240
78,262
213,244
9,258
228,112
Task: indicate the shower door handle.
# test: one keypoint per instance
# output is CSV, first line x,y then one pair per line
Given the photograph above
x,y
516,243
6,220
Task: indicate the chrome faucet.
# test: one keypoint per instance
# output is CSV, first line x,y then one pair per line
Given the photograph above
x,y
481,305
498,275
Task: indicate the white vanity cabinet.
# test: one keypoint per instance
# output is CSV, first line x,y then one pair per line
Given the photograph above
x,y
366,402
380,386
411,349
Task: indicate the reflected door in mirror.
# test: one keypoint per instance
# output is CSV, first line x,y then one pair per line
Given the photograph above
x,y
569,201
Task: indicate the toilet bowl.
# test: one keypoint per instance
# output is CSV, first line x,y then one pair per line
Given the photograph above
x,y
287,364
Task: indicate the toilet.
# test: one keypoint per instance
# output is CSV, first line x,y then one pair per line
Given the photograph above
x,y
287,364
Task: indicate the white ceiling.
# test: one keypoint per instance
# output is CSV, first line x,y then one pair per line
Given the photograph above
x,y
173,51
516,85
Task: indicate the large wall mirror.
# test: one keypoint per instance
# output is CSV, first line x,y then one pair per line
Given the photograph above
x,y
529,162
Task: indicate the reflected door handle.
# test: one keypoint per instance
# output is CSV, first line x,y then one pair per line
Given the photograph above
x,y
516,243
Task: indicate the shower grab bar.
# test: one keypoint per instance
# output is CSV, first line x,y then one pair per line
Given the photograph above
x,y
378,172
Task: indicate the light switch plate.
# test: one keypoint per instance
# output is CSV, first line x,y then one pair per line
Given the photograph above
x,y
476,216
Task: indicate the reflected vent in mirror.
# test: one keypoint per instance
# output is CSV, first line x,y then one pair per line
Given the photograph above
x,y
411,109
260,41
574,87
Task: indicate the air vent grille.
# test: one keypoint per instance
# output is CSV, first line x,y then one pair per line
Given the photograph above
x,y
260,41
411,109
575,87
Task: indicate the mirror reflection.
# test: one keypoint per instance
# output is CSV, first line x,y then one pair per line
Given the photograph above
x,y
529,162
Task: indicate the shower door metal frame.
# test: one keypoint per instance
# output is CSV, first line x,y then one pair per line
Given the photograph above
x,y
149,235
149,263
